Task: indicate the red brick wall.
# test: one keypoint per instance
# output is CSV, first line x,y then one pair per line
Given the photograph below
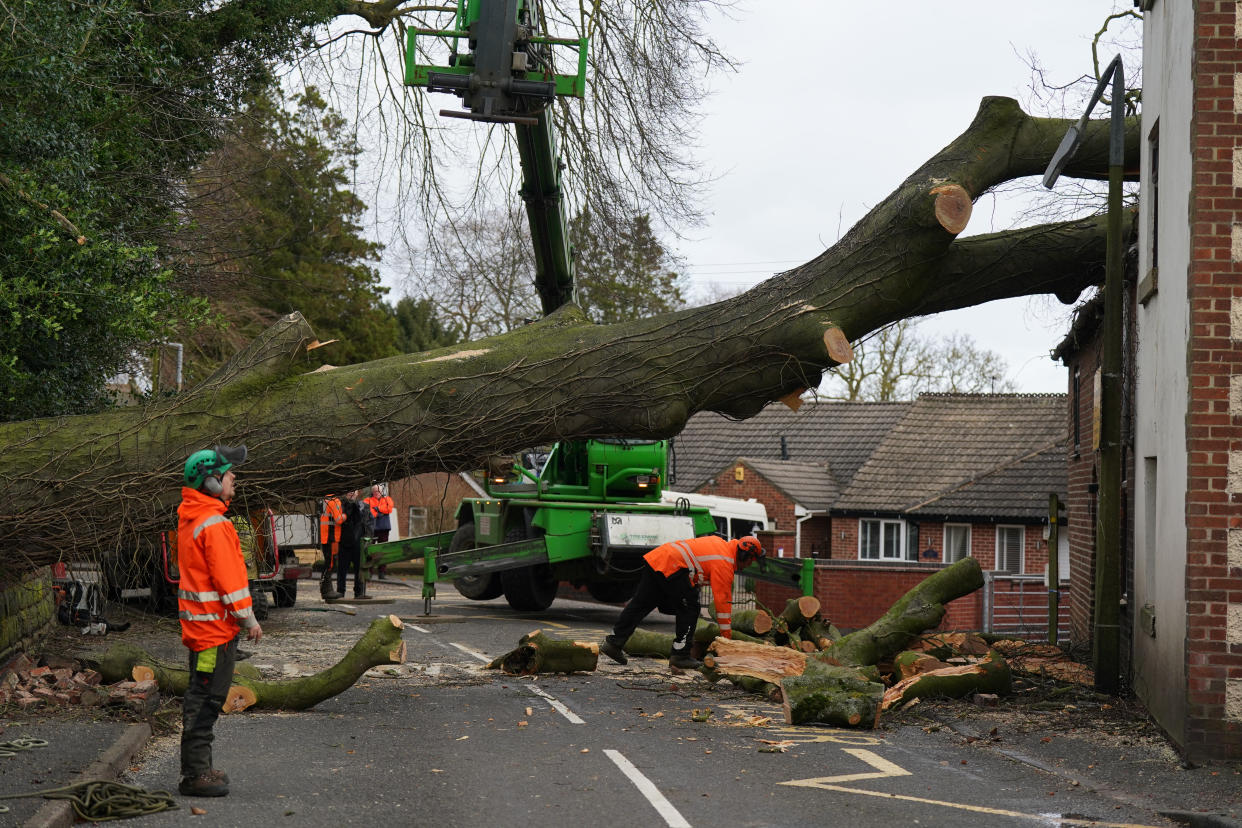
x,y
1214,357
854,596
1080,501
438,492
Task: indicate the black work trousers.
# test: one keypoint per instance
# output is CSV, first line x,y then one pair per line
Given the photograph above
x,y
672,593
211,673
349,555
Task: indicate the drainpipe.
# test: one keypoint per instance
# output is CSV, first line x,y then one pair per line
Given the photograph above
x,y
801,516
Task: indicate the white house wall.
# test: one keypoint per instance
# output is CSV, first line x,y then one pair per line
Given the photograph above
x,y
1159,661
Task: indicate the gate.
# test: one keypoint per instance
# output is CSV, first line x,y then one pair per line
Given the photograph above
x,y
1017,605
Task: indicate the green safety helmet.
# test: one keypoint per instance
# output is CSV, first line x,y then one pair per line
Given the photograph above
x,y
212,462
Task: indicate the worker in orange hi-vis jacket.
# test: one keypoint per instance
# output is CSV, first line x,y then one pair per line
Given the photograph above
x,y
213,602
381,513
671,577
330,520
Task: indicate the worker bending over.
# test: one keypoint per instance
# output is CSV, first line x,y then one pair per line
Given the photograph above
x,y
671,577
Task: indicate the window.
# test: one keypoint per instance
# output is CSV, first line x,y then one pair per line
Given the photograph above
x,y
956,542
418,521
1009,541
879,540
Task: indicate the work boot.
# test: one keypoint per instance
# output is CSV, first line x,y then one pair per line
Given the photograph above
x,y
684,661
326,591
218,775
205,784
613,651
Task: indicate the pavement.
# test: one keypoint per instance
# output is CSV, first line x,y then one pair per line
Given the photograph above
x,y
1125,765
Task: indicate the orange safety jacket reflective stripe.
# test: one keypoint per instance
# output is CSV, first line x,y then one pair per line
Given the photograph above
x,y
330,520
709,560
213,595
381,505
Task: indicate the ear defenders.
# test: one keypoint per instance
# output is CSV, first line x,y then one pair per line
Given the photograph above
x,y
213,485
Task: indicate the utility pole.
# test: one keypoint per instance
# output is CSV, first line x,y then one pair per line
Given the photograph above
x,y
1106,640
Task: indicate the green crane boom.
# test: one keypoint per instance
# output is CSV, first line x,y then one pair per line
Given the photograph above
x,y
507,77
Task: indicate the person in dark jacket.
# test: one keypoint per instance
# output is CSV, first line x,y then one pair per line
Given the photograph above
x,y
357,525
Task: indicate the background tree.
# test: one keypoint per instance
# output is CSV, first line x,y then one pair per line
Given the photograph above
x,y
480,275
276,229
624,273
420,328
110,106
898,363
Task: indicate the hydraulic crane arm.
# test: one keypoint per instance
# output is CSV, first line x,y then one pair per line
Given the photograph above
x,y
545,210
507,77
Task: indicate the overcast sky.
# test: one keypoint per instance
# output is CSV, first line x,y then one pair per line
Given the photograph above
x,y
837,103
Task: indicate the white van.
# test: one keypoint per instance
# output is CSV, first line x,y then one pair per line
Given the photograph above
x,y
734,517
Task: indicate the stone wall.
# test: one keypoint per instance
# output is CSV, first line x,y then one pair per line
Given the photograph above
x,y
27,609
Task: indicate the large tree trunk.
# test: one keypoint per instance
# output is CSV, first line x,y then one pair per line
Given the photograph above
x,y
380,644
103,481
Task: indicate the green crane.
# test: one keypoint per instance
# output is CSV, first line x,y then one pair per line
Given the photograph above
x,y
506,76
589,510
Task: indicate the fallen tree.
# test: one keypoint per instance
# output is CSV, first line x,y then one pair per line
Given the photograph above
x,y
838,683
105,481
380,644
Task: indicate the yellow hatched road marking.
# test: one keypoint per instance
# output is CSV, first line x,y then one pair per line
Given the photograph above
x,y
883,769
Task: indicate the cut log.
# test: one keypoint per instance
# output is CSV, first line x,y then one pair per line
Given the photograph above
x,y
920,609
380,644
238,699
761,661
539,653
755,622
798,611
660,645
912,663
945,645
991,675
833,695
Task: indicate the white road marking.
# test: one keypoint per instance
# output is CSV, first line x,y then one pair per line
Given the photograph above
x,y
557,705
420,629
671,815
470,652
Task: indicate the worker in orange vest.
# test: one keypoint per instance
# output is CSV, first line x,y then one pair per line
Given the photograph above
x,y
671,576
214,604
381,513
331,517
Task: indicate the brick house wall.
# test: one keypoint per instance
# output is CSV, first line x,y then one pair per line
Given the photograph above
x,y
780,508
1083,478
436,493
1214,412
